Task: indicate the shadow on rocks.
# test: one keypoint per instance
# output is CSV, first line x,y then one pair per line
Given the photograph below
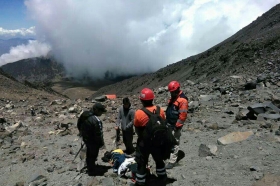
x,y
100,170
152,180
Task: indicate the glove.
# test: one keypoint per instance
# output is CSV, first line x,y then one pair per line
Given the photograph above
x,y
179,125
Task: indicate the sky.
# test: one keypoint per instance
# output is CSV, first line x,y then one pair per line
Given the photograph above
x,y
122,36
13,15
14,20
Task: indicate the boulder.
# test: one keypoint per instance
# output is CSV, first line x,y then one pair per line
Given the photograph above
x,y
2,119
161,90
207,150
236,77
242,115
208,97
259,108
250,86
189,82
270,116
73,110
260,86
268,180
101,98
39,119
234,137
9,106
56,102
14,127
261,78
193,105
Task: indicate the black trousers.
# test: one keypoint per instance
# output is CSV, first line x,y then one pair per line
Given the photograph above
x,y
142,156
127,140
92,153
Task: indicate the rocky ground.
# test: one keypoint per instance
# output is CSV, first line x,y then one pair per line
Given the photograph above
x,y
39,150
231,136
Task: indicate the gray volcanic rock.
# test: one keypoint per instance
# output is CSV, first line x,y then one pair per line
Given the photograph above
x,y
52,143
207,150
39,149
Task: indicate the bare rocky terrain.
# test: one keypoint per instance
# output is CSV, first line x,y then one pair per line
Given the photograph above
x,y
40,149
231,136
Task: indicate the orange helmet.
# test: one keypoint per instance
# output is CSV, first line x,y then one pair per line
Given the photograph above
x,y
173,85
146,94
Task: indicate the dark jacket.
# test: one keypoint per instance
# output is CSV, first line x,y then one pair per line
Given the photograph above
x,y
91,128
177,110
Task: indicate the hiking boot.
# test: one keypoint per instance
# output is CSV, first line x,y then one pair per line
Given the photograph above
x,y
170,165
181,155
96,173
139,184
162,179
161,182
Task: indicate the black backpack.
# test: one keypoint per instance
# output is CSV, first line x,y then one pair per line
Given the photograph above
x,y
172,111
82,121
156,132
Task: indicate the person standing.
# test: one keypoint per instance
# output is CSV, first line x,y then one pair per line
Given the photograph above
x,y
176,115
91,131
144,147
125,123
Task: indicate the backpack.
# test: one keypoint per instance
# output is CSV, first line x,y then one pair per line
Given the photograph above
x,y
156,132
172,111
82,120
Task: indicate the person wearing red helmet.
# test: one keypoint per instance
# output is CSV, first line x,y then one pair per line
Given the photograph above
x,y
144,149
176,115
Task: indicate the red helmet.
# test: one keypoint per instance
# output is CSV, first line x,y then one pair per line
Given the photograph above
x,y
173,85
147,94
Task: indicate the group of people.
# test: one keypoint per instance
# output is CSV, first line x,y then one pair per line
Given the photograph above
x,y
90,127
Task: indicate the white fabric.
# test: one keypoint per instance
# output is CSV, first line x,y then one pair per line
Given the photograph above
x,y
123,168
174,156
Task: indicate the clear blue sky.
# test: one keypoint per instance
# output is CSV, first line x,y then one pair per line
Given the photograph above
x,y
13,15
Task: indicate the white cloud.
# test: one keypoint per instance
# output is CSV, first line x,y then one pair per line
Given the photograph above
x,y
136,36
33,49
22,32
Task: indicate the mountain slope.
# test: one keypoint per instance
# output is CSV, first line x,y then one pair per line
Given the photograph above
x,y
246,52
11,89
35,69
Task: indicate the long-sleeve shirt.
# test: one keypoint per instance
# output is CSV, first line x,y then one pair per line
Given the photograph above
x,y
125,118
141,119
177,110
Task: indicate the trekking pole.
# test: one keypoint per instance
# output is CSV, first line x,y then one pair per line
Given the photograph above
x,y
82,145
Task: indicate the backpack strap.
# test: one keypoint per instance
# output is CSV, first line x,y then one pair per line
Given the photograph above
x,y
158,110
149,113
146,111
86,115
